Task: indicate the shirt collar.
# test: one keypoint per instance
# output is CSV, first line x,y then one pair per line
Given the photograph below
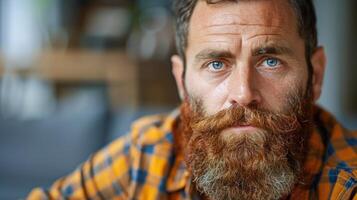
x,y
179,177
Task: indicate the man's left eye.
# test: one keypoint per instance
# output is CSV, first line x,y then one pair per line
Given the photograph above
x,y
271,62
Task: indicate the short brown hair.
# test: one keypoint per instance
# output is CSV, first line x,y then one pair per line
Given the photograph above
x,y
304,9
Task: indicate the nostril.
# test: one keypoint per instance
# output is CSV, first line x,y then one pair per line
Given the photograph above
x,y
233,102
252,104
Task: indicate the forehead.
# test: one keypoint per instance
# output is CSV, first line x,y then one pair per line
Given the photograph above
x,y
247,18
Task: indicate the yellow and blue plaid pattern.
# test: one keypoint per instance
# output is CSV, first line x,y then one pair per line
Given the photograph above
x,y
143,166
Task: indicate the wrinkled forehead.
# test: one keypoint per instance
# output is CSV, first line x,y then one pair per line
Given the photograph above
x,y
231,16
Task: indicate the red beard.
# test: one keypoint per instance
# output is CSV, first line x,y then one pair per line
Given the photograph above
x,y
261,165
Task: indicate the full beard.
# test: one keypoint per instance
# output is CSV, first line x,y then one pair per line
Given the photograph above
x,y
265,164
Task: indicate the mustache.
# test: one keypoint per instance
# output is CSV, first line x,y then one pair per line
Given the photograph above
x,y
278,122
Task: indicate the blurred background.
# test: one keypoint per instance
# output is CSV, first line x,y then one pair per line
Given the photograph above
x,y
74,75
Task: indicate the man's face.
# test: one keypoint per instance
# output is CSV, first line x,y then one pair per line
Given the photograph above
x,y
246,113
246,53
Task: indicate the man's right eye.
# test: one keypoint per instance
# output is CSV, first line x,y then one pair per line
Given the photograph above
x,y
216,66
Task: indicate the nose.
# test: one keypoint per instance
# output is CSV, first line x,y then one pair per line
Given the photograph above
x,y
242,88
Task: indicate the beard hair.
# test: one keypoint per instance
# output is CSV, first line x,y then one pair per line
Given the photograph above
x,y
262,165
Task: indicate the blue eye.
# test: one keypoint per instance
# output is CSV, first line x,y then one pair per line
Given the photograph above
x,y
271,62
216,65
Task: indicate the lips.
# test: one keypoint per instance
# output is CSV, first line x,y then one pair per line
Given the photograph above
x,y
241,128
241,124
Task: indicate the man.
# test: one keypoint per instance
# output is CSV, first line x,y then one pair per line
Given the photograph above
x,y
248,73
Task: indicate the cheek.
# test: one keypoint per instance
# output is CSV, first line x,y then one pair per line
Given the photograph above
x,y
213,96
276,94
273,96
216,98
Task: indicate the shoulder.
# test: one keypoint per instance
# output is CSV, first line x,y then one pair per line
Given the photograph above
x,y
147,130
146,134
123,167
341,149
140,156
340,144
338,178
150,154
151,129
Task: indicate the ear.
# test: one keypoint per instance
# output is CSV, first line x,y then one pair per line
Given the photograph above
x,y
318,61
177,71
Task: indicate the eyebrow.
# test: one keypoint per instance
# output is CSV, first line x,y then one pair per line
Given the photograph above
x,y
213,54
272,49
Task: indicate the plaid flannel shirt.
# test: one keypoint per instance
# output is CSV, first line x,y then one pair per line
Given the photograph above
x,y
142,165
